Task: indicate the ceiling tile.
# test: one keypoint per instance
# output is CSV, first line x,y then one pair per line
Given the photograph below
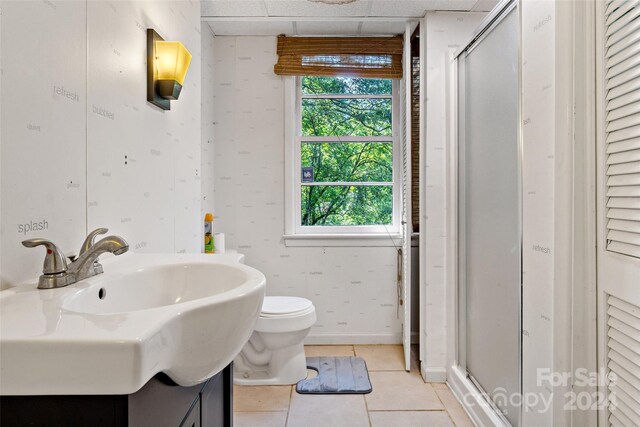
x,y
416,8
382,28
315,8
232,8
250,28
308,28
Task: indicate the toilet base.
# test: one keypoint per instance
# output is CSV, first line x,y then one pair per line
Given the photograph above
x,y
287,366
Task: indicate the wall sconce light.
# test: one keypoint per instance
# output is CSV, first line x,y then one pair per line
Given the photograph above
x,y
167,65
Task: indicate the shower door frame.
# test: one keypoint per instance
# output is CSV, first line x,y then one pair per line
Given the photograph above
x,y
482,410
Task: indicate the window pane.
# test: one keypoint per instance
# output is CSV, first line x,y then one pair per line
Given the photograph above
x,y
339,117
349,162
345,85
347,205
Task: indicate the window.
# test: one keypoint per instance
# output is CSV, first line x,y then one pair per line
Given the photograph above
x,y
344,156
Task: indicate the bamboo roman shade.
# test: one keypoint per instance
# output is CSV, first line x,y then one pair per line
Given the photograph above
x,y
622,121
373,57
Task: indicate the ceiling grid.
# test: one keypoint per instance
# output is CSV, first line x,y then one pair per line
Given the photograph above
x,y
324,17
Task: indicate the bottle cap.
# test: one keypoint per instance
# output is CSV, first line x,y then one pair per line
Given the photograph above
x,y
208,216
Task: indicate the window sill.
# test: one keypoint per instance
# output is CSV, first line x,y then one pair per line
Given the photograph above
x,y
342,240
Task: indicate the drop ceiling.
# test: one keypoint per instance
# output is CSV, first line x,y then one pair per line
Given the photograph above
x,y
318,17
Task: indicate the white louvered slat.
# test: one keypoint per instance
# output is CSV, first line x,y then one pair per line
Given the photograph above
x,y
624,414
630,144
621,10
624,249
615,422
624,122
624,237
613,5
623,327
629,52
629,109
626,133
617,26
623,32
625,306
623,77
623,157
629,214
631,179
630,390
629,378
630,191
631,408
623,362
628,34
622,126
625,88
629,226
624,202
623,168
621,101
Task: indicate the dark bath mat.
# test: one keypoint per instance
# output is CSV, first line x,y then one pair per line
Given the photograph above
x,y
336,375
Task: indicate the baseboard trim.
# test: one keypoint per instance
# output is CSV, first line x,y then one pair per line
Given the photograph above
x,y
434,375
478,409
348,339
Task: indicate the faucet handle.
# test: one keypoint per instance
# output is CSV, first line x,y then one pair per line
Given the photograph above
x,y
54,260
89,241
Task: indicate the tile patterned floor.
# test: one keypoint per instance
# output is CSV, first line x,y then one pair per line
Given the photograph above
x,y
399,398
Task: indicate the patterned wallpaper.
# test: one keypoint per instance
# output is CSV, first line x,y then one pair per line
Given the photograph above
x,y
81,147
539,174
446,31
354,290
208,123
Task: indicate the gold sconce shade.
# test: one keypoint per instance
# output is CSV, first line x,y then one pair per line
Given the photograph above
x,y
172,60
167,66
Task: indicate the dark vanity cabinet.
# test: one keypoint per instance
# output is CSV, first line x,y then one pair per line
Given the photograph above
x,y
159,403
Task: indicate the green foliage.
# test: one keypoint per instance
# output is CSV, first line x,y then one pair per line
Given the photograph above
x,y
345,85
339,117
347,205
347,161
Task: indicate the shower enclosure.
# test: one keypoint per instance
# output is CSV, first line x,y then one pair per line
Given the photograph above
x,y
489,211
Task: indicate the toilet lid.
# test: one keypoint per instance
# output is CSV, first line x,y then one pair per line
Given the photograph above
x,y
279,306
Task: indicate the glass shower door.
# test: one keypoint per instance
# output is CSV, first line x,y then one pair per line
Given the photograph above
x,y
490,212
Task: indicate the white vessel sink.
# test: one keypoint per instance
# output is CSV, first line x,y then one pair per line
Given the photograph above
x,y
187,315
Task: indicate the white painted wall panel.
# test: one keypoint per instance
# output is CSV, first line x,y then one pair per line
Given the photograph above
x,y
354,290
538,169
43,131
96,154
208,98
446,31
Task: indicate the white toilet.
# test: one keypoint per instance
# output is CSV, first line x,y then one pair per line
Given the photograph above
x,y
274,354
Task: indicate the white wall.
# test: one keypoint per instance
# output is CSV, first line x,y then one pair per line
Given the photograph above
x,y
538,173
446,31
208,123
81,147
354,290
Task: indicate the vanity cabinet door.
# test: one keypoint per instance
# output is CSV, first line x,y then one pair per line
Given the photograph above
x,y
193,417
161,404
216,400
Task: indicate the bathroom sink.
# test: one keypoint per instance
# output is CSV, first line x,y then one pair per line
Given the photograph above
x,y
186,315
156,286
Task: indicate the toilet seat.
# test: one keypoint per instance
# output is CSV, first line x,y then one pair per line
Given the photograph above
x,y
285,314
283,307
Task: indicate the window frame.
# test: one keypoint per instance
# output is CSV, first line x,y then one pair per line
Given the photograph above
x,y
293,177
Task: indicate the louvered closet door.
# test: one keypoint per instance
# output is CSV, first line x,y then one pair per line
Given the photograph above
x,y
618,197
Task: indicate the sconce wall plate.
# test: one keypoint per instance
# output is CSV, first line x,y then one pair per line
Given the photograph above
x,y
153,92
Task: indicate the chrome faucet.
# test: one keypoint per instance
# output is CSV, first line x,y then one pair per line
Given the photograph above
x,y
57,274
